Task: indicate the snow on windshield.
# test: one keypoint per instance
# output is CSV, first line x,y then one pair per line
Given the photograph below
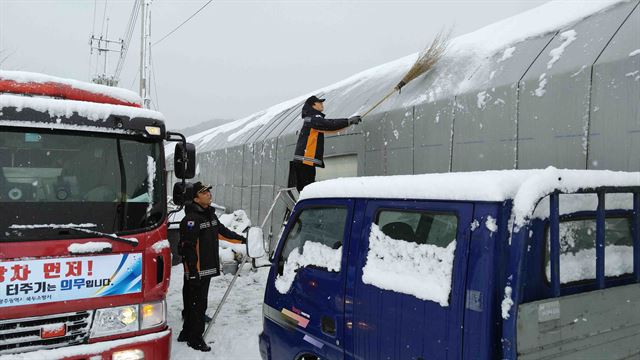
x,y
421,270
151,175
313,253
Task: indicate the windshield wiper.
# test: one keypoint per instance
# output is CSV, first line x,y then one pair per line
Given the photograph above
x,y
132,242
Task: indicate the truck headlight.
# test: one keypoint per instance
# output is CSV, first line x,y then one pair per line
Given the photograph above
x,y
152,314
116,320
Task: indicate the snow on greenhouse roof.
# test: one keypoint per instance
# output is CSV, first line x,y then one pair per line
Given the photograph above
x,y
110,91
469,49
525,187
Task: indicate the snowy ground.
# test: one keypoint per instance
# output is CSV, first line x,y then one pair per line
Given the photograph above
x,y
236,331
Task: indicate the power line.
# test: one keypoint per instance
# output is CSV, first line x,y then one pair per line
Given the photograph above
x,y
184,22
104,16
127,37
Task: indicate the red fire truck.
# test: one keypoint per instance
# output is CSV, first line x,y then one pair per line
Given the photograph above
x,y
84,260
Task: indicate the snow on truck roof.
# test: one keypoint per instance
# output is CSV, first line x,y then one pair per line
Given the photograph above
x,y
62,98
66,108
19,80
524,187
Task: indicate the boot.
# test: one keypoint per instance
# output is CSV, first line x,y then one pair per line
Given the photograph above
x,y
182,337
199,344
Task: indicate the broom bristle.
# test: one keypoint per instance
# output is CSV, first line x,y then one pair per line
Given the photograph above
x,y
427,58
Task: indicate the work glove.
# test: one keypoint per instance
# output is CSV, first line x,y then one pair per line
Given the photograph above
x,y
355,120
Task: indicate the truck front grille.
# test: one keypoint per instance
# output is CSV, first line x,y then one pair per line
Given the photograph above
x,y
22,335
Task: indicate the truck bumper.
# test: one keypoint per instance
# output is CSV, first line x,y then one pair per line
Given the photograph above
x,y
150,346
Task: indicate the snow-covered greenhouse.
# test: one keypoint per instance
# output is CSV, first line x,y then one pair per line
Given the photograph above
x,y
557,85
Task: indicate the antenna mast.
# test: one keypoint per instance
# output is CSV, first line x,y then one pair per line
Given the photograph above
x,y
145,52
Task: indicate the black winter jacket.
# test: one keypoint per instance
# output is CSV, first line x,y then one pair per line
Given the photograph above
x,y
199,231
310,146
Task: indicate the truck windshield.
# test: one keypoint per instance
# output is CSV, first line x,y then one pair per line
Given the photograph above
x,y
94,181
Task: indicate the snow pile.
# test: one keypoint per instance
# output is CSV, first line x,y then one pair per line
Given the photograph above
x,y
313,253
582,264
238,221
507,302
421,270
114,92
58,108
89,247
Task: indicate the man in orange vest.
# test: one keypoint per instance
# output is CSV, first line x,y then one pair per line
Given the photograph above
x,y
310,146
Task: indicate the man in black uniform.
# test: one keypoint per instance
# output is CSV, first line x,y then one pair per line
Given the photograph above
x,y
199,231
310,146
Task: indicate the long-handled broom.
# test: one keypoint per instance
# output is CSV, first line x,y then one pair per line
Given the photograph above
x,y
427,58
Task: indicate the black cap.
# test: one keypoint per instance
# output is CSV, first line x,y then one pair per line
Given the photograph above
x,y
199,187
312,100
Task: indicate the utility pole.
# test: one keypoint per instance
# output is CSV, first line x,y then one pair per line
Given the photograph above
x,y
145,52
104,46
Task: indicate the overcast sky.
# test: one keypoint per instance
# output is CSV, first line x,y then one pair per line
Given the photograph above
x,y
234,57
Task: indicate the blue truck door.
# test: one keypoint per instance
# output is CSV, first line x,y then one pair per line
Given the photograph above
x,y
406,297
304,297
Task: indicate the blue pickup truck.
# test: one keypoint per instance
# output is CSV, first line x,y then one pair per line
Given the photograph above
x,y
527,264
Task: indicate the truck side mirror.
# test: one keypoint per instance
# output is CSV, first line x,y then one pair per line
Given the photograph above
x,y
182,193
184,161
255,243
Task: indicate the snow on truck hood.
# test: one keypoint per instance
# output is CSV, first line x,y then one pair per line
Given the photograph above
x,y
524,187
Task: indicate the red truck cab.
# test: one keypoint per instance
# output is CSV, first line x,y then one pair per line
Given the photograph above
x,y
84,260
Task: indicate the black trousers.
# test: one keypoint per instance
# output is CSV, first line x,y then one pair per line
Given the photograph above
x,y
300,175
195,294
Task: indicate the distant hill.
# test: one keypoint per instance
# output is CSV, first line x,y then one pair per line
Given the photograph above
x,y
188,131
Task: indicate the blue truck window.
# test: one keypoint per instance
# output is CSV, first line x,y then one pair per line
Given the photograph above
x,y
578,253
322,225
420,227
